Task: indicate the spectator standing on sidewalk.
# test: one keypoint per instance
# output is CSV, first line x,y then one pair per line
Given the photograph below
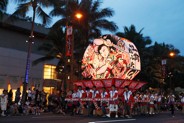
x,y
17,95
4,102
182,102
171,101
29,94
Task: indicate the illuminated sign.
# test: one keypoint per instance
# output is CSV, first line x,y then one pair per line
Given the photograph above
x,y
111,56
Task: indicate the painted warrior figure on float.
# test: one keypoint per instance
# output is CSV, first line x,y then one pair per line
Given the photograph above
x,y
111,56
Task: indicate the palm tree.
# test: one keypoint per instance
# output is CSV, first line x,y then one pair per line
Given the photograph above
x,y
136,37
90,25
54,50
3,7
23,8
152,71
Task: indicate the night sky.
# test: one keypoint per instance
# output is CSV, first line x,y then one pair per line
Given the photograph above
x,y
162,20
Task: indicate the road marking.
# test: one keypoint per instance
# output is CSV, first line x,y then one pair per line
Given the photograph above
x,y
112,121
50,116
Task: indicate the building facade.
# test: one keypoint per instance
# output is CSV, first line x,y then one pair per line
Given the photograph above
x,y
13,54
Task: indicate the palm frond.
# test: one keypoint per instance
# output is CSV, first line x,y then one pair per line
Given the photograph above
x,y
58,11
43,16
106,12
3,5
42,59
95,6
59,23
22,9
46,3
45,47
107,25
20,1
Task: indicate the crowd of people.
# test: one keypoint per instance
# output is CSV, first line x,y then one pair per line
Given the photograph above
x,y
85,101
109,103
34,103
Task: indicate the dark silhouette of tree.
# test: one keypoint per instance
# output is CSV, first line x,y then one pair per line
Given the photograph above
x,y
3,7
90,25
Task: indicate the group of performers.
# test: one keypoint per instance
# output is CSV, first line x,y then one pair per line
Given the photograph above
x,y
110,103
104,102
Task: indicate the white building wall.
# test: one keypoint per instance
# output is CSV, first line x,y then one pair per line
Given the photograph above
x,y
13,65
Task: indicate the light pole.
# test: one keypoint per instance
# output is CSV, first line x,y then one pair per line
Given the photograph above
x,y
30,42
164,65
70,48
170,75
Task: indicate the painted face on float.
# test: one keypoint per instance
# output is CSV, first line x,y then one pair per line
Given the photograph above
x,y
104,51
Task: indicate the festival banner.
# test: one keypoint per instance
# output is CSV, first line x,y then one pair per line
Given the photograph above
x,y
69,39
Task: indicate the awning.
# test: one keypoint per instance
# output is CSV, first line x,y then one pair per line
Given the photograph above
x,y
119,84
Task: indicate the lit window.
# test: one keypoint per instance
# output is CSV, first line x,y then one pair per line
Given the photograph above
x,y
49,72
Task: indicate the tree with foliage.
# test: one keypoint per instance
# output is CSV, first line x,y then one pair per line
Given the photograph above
x,y
3,7
54,50
151,57
24,6
90,25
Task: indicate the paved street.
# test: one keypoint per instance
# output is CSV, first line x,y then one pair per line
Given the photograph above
x,y
52,118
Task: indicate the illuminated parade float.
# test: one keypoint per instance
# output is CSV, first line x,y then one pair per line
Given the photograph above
x,y
111,60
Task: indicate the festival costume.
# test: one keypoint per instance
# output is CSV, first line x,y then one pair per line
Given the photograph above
x,y
128,101
104,95
151,104
104,103
128,98
114,103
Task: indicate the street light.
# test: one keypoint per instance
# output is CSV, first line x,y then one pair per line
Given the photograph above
x,y
70,48
172,54
78,15
164,63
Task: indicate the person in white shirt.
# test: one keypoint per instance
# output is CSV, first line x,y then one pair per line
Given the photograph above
x,y
95,104
4,102
182,102
171,101
29,95
80,95
151,104
80,92
104,103
95,92
128,101
113,107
